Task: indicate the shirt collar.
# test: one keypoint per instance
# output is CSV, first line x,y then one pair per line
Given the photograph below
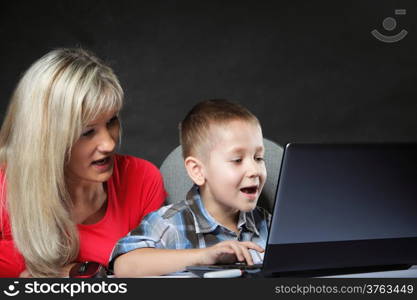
x,y
247,220
205,223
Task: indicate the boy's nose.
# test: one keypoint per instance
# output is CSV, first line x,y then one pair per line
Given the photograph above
x,y
254,169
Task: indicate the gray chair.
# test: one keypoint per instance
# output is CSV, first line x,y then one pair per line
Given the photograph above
x,y
177,183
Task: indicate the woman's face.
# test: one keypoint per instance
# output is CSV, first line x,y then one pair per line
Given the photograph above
x,y
92,154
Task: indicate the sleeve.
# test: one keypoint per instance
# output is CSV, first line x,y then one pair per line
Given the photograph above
x,y
11,261
153,232
155,192
139,188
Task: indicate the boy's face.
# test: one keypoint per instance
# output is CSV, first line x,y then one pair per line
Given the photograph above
x,y
234,170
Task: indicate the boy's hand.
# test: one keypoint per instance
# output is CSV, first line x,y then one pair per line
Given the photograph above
x,y
229,252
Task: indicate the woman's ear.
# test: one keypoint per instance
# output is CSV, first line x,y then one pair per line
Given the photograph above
x,y
195,170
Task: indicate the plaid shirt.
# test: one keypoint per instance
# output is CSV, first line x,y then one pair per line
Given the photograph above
x,y
187,225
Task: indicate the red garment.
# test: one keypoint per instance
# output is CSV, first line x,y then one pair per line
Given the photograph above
x,y
135,189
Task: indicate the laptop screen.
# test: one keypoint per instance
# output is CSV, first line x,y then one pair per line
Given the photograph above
x,y
338,205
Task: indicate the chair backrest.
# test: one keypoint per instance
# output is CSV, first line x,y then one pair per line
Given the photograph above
x,y
177,183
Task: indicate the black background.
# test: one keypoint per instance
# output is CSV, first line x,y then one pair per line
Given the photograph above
x,y
310,70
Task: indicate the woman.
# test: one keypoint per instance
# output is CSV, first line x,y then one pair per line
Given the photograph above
x,y
65,196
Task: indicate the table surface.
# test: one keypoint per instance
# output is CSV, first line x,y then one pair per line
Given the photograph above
x,y
409,273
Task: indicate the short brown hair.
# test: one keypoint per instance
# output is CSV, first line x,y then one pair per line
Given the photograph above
x,y
195,128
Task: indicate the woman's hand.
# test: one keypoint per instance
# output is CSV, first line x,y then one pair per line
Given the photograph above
x,y
25,274
66,269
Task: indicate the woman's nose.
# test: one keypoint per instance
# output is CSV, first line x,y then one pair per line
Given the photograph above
x,y
106,142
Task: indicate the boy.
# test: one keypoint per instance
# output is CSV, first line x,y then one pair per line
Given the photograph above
x,y
219,221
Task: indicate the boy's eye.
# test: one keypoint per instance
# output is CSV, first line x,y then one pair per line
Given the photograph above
x,y
237,160
259,158
88,132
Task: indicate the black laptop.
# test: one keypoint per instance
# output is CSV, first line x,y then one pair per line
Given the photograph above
x,y
344,208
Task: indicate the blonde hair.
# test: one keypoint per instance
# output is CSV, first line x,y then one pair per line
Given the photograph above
x,y
54,100
195,128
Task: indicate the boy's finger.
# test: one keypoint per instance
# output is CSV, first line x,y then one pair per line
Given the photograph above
x,y
237,250
247,255
253,246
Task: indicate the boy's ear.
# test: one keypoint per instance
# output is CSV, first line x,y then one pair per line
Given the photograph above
x,y
195,170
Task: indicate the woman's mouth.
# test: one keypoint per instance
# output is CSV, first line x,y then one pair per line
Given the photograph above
x,y
102,164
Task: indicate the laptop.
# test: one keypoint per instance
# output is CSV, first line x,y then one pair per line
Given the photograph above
x,y
341,209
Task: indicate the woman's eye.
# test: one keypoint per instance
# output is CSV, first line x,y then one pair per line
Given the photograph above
x,y
113,120
259,158
88,133
237,160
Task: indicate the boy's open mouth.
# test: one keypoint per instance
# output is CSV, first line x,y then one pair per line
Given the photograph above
x,y
101,162
249,189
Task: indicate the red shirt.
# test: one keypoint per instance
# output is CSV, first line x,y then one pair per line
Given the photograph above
x,y
135,189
